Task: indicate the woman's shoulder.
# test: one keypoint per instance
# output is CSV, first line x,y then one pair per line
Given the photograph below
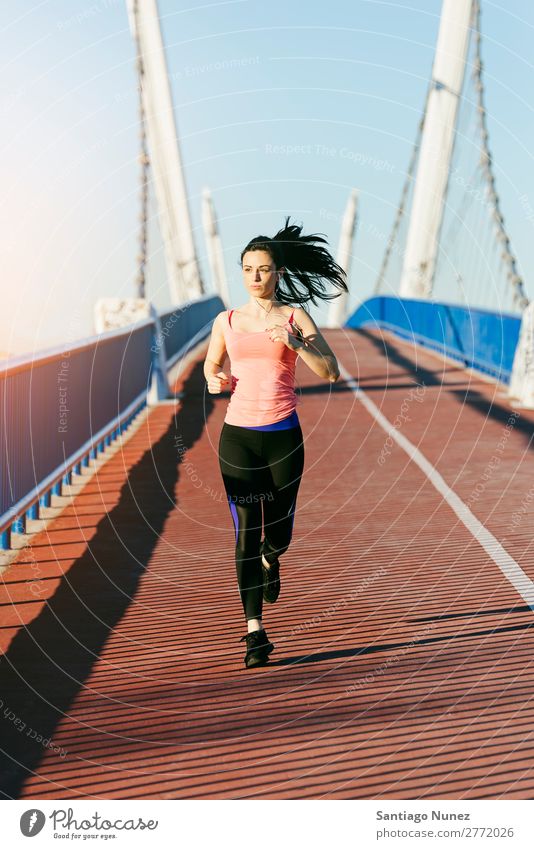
x,y
221,320
300,312
292,310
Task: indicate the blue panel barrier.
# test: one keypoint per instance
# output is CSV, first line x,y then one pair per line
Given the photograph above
x,y
478,338
73,402
184,326
61,404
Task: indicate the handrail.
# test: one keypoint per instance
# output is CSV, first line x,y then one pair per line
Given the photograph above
x,y
14,364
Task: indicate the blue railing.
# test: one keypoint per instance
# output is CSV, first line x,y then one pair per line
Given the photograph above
x,y
60,409
478,338
185,325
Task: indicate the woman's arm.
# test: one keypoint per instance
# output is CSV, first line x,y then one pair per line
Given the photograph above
x,y
216,353
313,347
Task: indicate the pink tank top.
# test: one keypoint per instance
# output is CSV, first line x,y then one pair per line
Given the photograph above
x,y
262,376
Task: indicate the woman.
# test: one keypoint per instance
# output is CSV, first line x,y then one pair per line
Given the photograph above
x,y
261,450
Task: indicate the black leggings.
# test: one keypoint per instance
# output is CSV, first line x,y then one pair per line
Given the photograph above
x,y
260,467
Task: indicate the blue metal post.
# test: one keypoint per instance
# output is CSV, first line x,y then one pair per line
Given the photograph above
x,y
44,499
19,525
33,511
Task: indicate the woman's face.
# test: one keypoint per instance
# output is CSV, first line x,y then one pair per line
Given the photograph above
x,y
259,273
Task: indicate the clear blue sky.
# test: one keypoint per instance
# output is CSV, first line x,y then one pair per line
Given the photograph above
x,y
246,76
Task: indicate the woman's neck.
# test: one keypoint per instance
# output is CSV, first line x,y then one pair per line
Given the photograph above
x,y
260,306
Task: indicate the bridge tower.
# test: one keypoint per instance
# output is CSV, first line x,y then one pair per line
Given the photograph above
x,y
337,313
436,149
214,246
182,265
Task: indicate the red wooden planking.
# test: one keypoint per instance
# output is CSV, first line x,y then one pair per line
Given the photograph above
x,y
402,660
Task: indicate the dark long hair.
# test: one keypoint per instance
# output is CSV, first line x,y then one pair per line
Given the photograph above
x,y
307,265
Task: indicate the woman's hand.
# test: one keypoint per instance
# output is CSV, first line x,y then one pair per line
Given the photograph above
x,y
215,382
280,333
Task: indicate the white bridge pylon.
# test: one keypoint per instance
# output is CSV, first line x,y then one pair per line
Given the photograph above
x,y
337,314
185,280
436,149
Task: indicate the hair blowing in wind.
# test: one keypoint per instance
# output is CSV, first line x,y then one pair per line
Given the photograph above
x,y
308,266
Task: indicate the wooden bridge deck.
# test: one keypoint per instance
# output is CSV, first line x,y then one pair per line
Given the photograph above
x,y
402,666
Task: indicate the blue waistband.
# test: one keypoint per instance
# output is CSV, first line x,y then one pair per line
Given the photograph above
x,y
290,421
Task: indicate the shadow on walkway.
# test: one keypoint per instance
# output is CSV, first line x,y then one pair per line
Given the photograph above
x,y
49,661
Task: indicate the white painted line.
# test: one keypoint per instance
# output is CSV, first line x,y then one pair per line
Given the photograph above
x,y
506,563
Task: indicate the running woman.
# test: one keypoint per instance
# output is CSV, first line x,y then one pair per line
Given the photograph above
x,y
261,447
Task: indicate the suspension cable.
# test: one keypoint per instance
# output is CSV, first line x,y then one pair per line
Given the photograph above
x,y
144,161
486,163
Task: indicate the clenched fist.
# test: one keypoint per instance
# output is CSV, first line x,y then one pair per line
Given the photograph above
x,y
216,381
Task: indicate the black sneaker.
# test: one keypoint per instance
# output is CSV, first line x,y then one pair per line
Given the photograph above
x,y
258,648
271,578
